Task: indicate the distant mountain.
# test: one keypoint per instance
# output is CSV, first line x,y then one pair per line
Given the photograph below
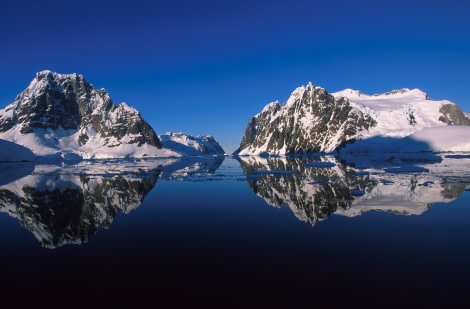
x,y
313,120
63,114
191,146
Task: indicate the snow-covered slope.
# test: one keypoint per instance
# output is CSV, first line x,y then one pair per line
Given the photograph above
x,y
312,120
402,112
11,152
64,115
189,145
435,139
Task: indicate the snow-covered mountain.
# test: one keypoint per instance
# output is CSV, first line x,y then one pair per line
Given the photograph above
x,y
63,115
189,145
312,120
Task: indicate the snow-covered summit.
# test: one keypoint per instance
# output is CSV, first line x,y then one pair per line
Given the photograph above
x,y
313,120
349,93
399,113
190,145
61,114
409,94
301,92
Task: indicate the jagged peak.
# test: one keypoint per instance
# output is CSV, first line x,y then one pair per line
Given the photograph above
x,y
300,92
44,73
48,74
176,134
271,106
56,102
127,107
50,79
309,87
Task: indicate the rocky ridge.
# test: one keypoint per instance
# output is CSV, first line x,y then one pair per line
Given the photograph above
x,y
191,145
65,113
313,120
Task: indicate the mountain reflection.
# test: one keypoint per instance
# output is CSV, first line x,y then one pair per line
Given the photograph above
x,y
312,194
67,204
191,168
315,188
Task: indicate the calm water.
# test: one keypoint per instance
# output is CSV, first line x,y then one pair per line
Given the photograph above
x,y
237,232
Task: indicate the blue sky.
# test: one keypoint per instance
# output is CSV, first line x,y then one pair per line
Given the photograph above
x,y
206,67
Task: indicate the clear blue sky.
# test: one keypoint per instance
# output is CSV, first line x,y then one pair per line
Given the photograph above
x,y
206,67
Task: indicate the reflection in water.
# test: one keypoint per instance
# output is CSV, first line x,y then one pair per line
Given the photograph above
x,y
315,188
13,171
67,204
191,168
62,209
312,193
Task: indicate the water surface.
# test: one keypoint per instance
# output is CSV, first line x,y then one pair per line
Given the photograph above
x,y
244,231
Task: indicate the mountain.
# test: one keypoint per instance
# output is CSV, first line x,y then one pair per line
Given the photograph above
x,y
189,145
63,115
313,120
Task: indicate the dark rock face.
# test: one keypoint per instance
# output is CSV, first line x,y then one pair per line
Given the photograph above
x,y
54,101
453,115
312,120
212,146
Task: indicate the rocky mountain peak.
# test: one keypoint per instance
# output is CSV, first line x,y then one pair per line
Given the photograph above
x,y
191,145
68,102
313,120
305,93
